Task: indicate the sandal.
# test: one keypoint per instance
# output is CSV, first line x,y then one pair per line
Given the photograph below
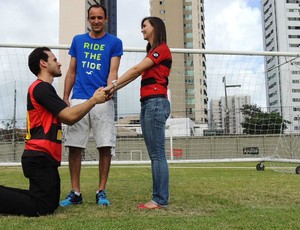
x,y
149,205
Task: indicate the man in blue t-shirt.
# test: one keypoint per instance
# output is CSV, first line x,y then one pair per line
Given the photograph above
x,y
95,59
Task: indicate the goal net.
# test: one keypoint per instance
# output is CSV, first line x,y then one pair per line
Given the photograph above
x,y
219,109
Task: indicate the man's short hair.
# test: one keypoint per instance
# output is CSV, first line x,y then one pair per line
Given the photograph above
x,y
34,59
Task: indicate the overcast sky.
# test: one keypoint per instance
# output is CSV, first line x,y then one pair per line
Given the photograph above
x,y
229,24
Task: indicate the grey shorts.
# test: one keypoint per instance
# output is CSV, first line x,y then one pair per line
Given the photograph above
x,y
99,121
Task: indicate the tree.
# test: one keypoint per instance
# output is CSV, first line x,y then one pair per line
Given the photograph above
x,y
9,133
259,122
8,125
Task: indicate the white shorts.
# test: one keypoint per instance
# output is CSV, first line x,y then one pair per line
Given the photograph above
x,y
100,120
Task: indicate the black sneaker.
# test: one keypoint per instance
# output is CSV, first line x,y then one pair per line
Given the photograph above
x,y
71,199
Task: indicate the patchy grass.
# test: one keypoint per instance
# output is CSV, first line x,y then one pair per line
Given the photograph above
x,y
202,196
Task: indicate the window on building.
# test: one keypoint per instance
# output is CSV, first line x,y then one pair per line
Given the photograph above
x,y
189,72
189,81
267,10
296,99
190,101
269,34
293,1
296,81
188,45
272,76
294,27
188,35
187,8
268,18
273,103
187,17
294,36
188,26
294,10
293,19
191,92
273,94
266,3
268,26
270,60
294,45
272,85
189,62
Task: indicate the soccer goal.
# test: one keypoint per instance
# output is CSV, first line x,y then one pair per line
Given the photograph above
x,y
219,109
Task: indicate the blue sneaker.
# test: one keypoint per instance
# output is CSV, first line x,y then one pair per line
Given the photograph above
x,y
101,198
71,199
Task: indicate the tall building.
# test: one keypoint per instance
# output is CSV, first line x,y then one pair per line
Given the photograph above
x,y
281,31
70,26
232,104
184,20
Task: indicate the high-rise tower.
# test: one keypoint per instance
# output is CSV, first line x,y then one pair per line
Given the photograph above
x,y
281,32
184,20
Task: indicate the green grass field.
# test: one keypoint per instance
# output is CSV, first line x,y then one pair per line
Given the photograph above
x,y
202,196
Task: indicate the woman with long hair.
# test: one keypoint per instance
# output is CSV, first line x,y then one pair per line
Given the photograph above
x,y
155,107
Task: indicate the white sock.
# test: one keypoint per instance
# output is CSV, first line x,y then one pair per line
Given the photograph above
x,y
77,193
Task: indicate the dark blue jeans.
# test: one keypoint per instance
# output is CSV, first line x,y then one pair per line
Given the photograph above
x,y
154,113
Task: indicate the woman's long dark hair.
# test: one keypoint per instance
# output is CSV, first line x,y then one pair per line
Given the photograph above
x,y
159,29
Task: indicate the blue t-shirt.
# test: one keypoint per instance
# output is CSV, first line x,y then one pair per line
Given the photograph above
x,y
93,57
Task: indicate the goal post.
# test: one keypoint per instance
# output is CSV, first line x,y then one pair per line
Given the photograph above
x,y
219,109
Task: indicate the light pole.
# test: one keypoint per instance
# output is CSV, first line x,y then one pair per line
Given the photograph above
x,y
226,120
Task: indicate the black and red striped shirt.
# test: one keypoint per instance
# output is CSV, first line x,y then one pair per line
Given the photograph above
x,y
44,131
155,79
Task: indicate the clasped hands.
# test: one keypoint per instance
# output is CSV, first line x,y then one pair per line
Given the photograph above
x,y
102,95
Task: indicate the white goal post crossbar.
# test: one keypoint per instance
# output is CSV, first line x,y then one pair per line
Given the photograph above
x,y
173,50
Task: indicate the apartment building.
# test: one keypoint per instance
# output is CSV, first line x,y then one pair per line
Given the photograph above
x,y
228,109
281,32
184,20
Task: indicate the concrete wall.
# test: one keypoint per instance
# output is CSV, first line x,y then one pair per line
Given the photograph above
x,y
186,148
